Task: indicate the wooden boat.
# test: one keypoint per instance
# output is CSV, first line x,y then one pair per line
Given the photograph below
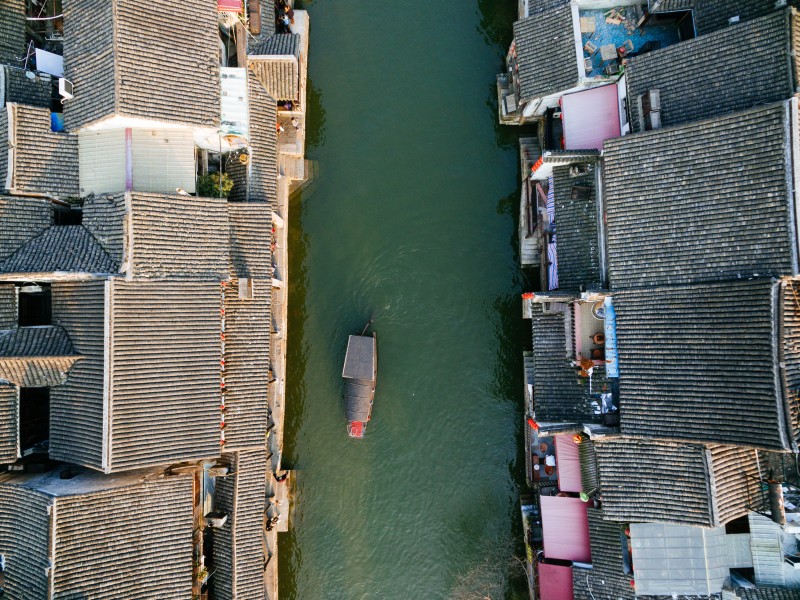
x,y
360,374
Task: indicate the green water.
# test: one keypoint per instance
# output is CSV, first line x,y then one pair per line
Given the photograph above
x,y
411,222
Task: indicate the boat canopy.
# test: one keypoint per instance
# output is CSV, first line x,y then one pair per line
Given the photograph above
x,y
359,363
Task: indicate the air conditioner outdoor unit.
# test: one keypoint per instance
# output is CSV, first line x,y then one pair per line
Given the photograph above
x,y
65,88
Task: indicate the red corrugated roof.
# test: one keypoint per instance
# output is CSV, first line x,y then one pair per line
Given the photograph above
x,y
555,582
565,525
568,464
230,6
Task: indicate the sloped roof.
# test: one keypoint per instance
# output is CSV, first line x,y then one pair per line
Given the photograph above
x,y
22,218
36,356
711,15
99,537
279,76
12,31
546,55
43,162
748,61
559,394
178,236
247,342
164,372
60,248
263,182
693,355
664,482
576,226
249,239
759,593
76,407
238,548
723,201
606,578
280,44
18,88
9,426
158,61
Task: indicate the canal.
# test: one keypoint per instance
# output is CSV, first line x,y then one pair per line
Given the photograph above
x,y
410,222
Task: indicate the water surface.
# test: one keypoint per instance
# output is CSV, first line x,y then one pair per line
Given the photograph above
x,y
411,223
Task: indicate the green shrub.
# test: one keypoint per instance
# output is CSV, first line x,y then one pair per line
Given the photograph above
x,y
208,185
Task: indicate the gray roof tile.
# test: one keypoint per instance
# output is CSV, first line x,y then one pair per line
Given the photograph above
x,y
681,355
60,248
9,426
733,69
120,63
560,395
12,31
714,194
36,356
22,219
281,44
43,162
578,243
664,482
546,56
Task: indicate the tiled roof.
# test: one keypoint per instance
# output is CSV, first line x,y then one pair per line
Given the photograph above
x,y
263,184
281,44
8,306
250,237
559,394
238,548
36,356
576,227
711,15
664,482
12,31
178,236
733,69
279,75
103,217
32,92
22,219
164,371
43,162
24,541
247,339
9,426
681,357
546,55
759,593
158,61
76,407
104,531
723,208
606,579
60,248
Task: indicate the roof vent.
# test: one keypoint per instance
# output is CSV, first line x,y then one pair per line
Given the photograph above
x,y
650,110
245,289
733,20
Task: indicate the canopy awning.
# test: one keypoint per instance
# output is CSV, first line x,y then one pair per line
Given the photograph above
x,y
590,117
555,582
568,464
565,524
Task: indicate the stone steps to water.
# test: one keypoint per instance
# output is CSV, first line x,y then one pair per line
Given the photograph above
x,y
529,153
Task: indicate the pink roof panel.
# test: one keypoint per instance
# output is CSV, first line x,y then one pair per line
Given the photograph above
x,y
568,464
590,117
555,582
565,525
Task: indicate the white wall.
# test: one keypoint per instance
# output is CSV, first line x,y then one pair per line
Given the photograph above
x,y
163,160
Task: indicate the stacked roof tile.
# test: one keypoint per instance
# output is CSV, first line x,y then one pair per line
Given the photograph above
x,y
120,67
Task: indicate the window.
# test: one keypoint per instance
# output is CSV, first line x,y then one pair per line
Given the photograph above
x,y
34,305
34,418
63,215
